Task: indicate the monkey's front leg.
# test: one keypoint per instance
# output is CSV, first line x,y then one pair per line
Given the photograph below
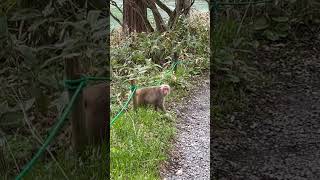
x,y
161,106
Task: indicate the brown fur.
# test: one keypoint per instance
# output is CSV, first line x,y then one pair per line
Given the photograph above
x,y
151,96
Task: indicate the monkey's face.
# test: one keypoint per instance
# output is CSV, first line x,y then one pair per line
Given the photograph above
x,y
165,90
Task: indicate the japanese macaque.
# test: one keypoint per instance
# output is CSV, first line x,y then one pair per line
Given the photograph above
x,y
151,96
96,103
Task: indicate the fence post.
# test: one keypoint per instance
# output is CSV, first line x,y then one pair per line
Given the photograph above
x,y
132,83
79,140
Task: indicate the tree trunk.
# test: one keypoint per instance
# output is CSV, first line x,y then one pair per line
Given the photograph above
x,y
135,17
183,5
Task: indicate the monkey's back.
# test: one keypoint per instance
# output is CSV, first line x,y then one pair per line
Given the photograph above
x,y
147,95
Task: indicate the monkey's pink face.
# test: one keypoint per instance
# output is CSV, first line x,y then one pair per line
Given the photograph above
x,y
165,90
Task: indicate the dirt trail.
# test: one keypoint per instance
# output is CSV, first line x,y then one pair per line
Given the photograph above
x,y
191,154
278,137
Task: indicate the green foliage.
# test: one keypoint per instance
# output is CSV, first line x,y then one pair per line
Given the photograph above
x,y
231,50
272,28
232,69
158,47
147,57
283,18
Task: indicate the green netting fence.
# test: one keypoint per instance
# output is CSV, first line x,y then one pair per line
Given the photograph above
x,y
76,85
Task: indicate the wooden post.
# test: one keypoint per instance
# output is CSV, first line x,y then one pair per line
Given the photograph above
x,y
79,140
132,82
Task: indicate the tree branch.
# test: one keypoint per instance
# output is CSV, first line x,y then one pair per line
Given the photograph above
x,y
115,18
164,7
160,25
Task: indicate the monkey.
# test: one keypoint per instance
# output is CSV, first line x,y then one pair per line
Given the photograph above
x,y
151,96
96,104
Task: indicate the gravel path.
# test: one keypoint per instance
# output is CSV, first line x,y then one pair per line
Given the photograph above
x,y
278,137
190,157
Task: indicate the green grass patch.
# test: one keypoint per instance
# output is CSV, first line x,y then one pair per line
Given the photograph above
x,y
140,141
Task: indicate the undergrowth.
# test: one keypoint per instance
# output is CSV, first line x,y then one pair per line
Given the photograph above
x,y
35,39
140,141
232,69
238,34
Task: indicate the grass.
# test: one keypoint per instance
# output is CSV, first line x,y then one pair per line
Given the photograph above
x,y
68,166
140,141
90,168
